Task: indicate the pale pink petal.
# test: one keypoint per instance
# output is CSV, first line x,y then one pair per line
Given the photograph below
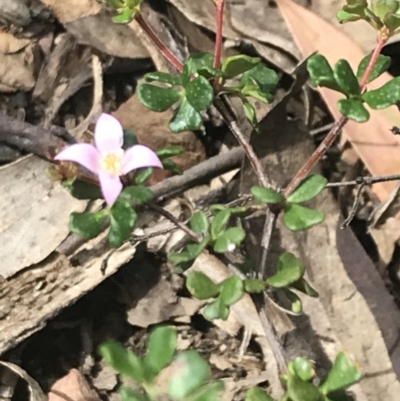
x,y
139,156
84,154
108,133
111,187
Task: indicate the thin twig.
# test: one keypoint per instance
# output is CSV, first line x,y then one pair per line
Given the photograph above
x,y
220,5
364,181
354,208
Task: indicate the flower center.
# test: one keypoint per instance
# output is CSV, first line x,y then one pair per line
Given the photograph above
x,y
112,162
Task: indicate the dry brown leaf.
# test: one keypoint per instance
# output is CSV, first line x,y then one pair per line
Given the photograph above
x,y
35,391
72,387
34,214
376,145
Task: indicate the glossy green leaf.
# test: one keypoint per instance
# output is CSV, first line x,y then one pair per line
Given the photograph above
x,y
304,287
386,96
199,222
142,175
289,270
216,310
123,360
254,285
82,189
228,240
298,217
382,64
122,220
202,64
170,151
300,390
257,394
128,394
161,348
345,78
88,224
238,64
267,195
353,109
295,301
192,372
392,21
157,98
186,118
220,222
303,368
250,113
201,286
261,75
232,289
138,194
209,392
321,73
383,7
255,90
199,93
344,373
308,189
163,77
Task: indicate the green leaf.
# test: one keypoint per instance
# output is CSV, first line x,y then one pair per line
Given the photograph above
x,y
267,195
130,139
161,348
392,21
289,270
142,175
344,373
309,188
254,285
386,96
382,64
170,151
163,77
303,368
191,372
199,222
201,286
261,75
83,190
255,90
298,217
257,394
172,166
321,72
353,109
125,16
199,93
186,118
345,78
123,218
295,301
157,98
300,390
232,289
219,223
122,360
216,310
202,64
250,113
88,224
138,194
209,392
304,287
344,16
233,210
383,7
191,252
228,240
128,394
236,65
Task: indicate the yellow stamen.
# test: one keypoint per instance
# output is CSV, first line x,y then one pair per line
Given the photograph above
x,y
112,162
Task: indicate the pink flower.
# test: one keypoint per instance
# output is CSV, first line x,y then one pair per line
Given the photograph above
x,y
107,159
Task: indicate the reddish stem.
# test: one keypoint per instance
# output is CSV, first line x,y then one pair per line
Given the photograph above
x,y
159,44
219,4
336,129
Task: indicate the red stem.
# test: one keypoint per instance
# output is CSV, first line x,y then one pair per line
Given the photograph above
x,y
336,129
220,4
160,45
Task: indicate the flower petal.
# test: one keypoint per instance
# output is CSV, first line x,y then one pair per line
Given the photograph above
x,y
111,187
84,154
108,133
139,156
